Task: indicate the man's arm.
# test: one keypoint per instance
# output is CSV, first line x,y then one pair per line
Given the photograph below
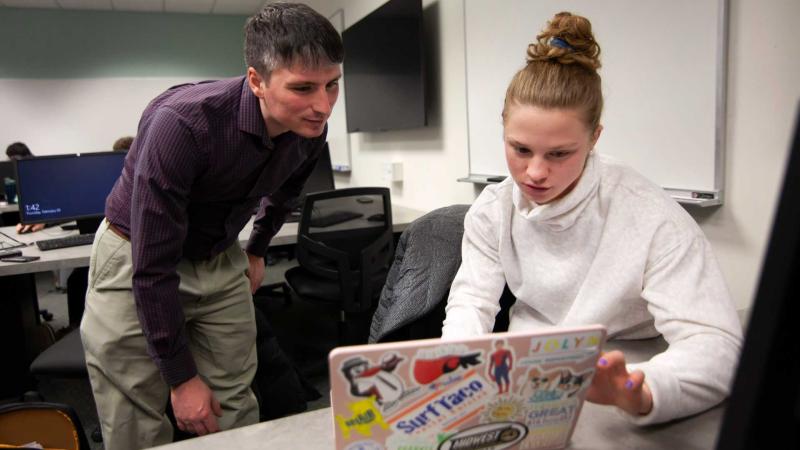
x,y
165,170
166,167
273,209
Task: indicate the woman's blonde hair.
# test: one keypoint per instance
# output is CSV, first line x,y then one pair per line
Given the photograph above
x,y
561,70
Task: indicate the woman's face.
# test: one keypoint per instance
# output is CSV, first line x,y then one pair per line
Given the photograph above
x,y
546,150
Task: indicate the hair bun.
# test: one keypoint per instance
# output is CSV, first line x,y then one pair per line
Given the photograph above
x,y
568,39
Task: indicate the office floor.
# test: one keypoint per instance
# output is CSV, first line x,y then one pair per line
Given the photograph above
x,y
303,340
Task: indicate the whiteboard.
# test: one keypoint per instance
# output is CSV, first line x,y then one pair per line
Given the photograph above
x,y
338,139
664,65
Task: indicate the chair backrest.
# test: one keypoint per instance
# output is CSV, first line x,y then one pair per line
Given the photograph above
x,y
427,258
53,425
346,235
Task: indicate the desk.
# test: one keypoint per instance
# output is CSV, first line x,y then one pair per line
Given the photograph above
x,y
8,207
71,257
19,310
599,427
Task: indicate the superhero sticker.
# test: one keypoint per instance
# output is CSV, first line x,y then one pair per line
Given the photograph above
x,y
501,361
509,391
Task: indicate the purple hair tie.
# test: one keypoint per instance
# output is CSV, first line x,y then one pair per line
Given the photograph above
x,y
560,43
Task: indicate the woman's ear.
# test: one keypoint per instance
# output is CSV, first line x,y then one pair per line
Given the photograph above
x,y
596,135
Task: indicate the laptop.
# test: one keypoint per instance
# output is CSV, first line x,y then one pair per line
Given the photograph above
x,y
497,391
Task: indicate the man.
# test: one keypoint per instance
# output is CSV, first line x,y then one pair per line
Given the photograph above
x,y
16,151
122,144
169,313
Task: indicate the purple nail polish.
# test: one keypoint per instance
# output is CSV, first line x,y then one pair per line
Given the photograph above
x,y
629,384
603,362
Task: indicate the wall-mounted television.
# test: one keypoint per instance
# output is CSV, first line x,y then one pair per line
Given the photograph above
x,y
384,70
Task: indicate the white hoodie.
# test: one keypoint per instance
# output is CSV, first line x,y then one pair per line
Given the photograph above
x,y
616,251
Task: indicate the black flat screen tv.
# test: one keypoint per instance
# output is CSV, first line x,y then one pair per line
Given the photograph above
x,y
384,69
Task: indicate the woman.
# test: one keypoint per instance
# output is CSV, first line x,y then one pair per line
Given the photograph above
x,y
580,239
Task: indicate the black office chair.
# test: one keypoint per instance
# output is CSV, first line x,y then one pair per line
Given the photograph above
x,y
64,359
344,250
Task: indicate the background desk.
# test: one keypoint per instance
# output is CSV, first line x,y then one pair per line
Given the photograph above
x,y
599,427
19,308
8,207
71,257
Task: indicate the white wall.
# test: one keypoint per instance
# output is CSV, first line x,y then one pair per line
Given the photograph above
x,y
75,115
434,157
76,80
763,92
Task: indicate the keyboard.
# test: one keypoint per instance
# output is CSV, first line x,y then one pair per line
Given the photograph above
x,y
68,241
293,216
333,218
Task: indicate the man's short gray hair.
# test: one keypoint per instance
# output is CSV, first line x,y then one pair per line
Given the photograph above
x,y
282,34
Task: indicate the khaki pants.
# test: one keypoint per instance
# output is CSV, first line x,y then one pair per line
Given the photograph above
x,y
130,394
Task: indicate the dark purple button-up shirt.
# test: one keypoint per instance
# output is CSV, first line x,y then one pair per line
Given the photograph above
x,y
200,164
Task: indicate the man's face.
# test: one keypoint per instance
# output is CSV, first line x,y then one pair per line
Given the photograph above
x,y
297,98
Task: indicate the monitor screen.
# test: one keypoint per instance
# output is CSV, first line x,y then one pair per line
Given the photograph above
x,y
66,187
321,179
384,76
764,405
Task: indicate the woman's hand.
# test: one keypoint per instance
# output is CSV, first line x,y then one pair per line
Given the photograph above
x,y
614,385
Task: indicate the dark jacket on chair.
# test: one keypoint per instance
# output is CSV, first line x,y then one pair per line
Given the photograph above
x,y
427,258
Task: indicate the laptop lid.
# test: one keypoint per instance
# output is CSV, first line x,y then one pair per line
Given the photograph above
x,y
503,390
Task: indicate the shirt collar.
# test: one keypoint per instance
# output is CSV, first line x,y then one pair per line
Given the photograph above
x,y
250,119
562,213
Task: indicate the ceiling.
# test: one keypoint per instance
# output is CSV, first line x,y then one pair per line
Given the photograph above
x,y
239,7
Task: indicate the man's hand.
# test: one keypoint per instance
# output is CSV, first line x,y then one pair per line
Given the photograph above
x,y
255,272
22,229
614,385
196,410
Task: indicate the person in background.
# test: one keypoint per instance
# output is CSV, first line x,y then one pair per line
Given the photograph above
x,y
123,144
169,310
581,239
18,150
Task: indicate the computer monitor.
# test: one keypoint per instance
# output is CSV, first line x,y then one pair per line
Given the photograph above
x,y
764,406
61,188
321,179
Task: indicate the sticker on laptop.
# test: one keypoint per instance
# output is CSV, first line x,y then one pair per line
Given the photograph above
x,y
379,381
